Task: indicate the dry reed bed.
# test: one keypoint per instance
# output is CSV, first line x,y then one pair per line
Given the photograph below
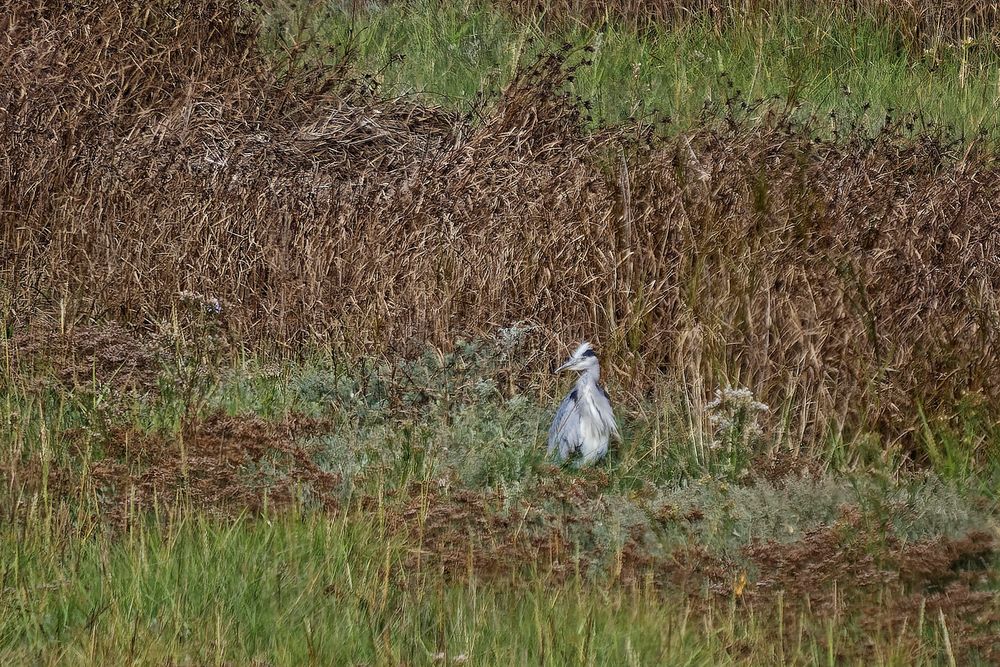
x,y
151,151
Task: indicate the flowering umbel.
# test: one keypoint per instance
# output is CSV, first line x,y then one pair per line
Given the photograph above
x,y
735,417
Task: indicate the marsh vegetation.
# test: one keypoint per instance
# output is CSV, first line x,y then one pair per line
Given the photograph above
x,y
282,288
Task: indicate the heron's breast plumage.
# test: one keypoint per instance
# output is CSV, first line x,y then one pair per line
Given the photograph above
x,y
583,423
594,428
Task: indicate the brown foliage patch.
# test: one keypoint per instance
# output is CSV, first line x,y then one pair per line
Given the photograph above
x,y
459,535
223,464
106,354
779,466
692,568
865,556
463,533
850,567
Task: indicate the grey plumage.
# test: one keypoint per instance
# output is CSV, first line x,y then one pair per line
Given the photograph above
x,y
566,423
584,422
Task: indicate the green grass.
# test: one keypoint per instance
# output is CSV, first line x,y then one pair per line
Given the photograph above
x,y
308,589
448,52
178,584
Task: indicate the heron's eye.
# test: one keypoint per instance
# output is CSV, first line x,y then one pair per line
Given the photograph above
x,y
589,353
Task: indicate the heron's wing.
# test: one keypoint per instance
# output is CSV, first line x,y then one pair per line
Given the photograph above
x,y
565,427
603,404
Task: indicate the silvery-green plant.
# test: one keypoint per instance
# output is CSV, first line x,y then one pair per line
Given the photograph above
x,y
737,433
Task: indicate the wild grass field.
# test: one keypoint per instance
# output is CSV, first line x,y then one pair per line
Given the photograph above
x,y
671,66
283,286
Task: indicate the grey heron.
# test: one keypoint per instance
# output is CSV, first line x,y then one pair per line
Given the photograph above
x,y
584,422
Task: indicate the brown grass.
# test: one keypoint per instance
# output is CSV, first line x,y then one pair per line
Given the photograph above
x,y
848,565
152,154
105,355
220,465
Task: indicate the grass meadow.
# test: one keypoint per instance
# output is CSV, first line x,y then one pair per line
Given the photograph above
x,y
282,287
809,58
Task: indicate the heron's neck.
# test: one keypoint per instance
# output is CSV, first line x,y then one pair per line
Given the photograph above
x,y
589,377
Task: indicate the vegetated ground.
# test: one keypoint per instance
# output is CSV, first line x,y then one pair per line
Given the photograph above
x,y
934,64
277,341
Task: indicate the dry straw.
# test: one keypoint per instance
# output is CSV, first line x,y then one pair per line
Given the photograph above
x,y
152,152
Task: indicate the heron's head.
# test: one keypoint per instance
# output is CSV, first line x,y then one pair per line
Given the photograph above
x,y
582,359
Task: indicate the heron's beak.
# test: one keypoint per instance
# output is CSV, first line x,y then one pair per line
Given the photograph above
x,y
564,366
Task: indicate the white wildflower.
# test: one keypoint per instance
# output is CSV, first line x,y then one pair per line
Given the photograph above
x,y
734,417
211,304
